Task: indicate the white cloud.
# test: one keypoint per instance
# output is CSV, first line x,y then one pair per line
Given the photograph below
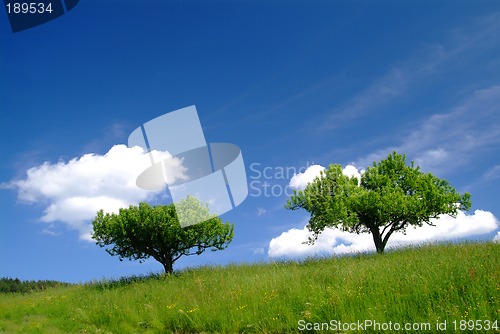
x,y
334,241
292,243
300,181
74,191
497,238
352,171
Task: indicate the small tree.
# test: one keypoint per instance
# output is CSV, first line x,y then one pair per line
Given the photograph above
x,y
389,197
143,231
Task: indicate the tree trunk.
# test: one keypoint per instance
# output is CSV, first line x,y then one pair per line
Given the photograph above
x,y
377,239
168,266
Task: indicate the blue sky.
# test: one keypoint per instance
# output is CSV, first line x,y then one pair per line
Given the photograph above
x,y
292,84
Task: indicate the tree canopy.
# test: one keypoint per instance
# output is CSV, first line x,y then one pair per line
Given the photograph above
x,y
389,197
143,231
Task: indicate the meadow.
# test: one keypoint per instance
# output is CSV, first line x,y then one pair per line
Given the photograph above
x,y
454,283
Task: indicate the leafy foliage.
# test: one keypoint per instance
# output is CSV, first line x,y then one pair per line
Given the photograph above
x,y
143,231
389,197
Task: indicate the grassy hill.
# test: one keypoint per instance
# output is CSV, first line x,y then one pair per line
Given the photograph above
x,y
424,285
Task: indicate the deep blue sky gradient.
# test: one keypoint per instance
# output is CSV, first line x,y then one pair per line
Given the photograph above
x,y
273,77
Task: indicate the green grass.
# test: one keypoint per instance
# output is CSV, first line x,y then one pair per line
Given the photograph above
x,y
414,285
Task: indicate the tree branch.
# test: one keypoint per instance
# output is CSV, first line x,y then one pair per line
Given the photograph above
x,y
386,226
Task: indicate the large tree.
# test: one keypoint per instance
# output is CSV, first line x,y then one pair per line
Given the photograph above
x,y
389,197
144,231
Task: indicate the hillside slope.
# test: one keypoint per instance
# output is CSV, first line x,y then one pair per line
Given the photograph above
x,y
421,285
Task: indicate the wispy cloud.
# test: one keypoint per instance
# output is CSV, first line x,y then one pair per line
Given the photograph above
x,y
492,174
430,61
51,231
445,141
257,251
381,91
110,134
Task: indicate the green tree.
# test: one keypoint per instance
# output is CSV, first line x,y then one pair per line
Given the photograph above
x,y
389,197
144,231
